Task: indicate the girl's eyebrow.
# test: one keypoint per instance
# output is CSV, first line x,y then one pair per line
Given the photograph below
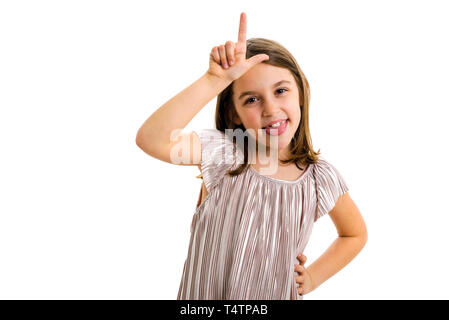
x,y
247,93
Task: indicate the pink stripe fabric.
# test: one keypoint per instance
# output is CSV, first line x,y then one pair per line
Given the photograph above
x,y
247,233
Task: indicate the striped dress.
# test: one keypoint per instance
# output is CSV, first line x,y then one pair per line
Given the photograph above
x,y
247,233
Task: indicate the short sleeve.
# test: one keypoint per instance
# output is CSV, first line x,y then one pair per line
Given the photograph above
x,y
217,156
330,186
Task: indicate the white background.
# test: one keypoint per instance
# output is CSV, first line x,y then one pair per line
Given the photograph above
x,y
86,214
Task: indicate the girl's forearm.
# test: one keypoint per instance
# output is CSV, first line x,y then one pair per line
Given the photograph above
x,y
338,255
180,110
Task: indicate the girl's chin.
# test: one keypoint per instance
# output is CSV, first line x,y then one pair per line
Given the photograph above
x,y
281,144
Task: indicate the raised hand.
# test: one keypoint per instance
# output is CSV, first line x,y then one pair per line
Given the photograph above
x,y
229,61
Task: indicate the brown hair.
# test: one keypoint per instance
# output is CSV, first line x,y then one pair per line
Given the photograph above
x,y
301,151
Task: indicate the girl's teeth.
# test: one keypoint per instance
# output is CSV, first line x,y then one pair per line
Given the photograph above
x,y
277,124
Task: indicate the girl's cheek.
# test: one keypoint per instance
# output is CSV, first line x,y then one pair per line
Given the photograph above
x,y
254,120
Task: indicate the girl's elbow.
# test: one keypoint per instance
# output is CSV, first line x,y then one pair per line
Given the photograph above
x,y
364,235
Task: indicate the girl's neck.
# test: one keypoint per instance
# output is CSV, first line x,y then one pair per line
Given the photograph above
x,y
271,156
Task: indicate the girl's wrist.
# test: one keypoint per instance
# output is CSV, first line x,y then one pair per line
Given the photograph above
x,y
217,82
313,286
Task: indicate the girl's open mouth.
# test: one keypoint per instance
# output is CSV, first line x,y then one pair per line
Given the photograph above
x,y
277,128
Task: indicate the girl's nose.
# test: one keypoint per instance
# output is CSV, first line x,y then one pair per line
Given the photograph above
x,y
270,109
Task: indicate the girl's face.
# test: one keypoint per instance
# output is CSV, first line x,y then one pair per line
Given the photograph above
x,y
260,98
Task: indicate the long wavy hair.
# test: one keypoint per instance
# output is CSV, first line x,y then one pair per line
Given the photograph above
x,y
300,147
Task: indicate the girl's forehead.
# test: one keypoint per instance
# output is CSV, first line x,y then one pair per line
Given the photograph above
x,y
262,76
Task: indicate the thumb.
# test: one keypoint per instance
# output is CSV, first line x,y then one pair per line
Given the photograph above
x,y
257,59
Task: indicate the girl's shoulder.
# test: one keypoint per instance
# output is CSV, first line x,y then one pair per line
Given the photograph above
x,y
322,163
218,154
324,169
330,184
217,146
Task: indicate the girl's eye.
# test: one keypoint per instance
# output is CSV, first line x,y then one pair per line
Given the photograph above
x,y
283,89
247,101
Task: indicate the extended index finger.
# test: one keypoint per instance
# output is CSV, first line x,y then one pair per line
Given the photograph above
x,y
242,29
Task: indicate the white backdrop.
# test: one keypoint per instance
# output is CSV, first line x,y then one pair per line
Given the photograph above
x,y
86,214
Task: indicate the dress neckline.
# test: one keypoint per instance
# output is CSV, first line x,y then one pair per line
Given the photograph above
x,y
304,174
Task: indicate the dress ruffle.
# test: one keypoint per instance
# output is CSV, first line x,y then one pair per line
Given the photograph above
x,y
218,155
330,186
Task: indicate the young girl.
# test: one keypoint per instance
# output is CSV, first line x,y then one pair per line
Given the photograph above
x,y
250,228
